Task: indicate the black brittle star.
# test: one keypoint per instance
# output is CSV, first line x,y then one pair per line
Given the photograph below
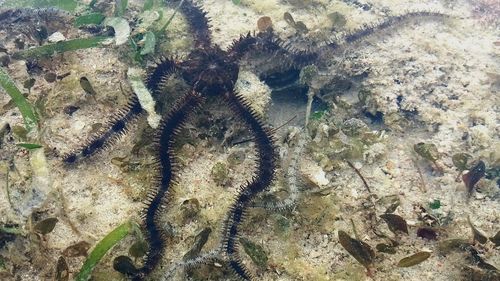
x,y
212,72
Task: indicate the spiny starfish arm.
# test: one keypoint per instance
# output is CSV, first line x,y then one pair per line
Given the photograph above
x,y
158,197
265,174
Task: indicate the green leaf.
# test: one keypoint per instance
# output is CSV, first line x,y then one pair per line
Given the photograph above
x,y
236,2
92,18
115,236
120,7
30,119
29,145
61,47
149,43
68,5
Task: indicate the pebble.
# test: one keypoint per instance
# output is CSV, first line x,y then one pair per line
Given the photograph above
x,y
56,37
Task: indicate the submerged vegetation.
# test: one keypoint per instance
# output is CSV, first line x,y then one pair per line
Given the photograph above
x,y
344,139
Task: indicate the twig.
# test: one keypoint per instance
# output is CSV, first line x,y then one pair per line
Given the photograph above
x,y
359,174
354,229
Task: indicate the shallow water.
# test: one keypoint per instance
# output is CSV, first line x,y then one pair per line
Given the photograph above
x,y
379,112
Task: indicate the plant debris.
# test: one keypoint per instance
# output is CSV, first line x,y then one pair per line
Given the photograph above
x,y
414,259
62,270
427,151
396,223
360,250
479,236
427,233
264,24
199,241
446,246
115,236
460,161
125,265
45,226
473,176
87,87
472,273
386,248
77,250
255,252
496,239
138,249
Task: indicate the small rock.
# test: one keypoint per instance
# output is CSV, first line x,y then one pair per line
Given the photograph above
x,y
56,37
315,174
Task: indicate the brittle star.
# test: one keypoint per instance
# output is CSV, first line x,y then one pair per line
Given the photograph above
x,y
212,72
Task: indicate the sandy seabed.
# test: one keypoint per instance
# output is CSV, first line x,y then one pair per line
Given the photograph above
x,y
434,80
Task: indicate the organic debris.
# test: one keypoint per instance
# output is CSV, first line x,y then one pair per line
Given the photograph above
x,y
496,239
45,226
112,238
255,252
79,249
479,236
396,223
124,265
264,24
427,233
386,248
62,269
473,176
460,160
360,250
414,259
